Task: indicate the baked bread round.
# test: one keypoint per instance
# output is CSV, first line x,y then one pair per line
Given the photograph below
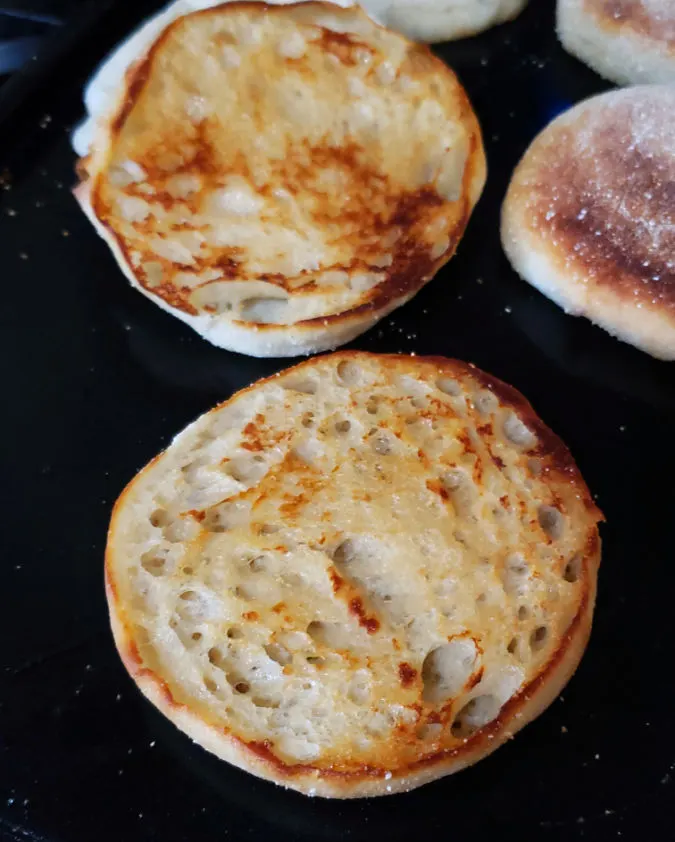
x,y
432,21
627,41
356,576
589,217
282,177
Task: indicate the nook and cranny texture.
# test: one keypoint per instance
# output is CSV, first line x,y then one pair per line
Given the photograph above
x,y
356,576
282,177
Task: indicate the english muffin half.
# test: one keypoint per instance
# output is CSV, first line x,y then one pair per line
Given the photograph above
x,y
589,217
433,21
281,177
627,41
357,576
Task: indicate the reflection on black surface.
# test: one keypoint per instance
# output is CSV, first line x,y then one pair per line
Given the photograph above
x,y
583,350
302,818
173,354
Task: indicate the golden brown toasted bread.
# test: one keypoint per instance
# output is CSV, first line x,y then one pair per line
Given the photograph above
x,y
589,217
357,576
627,41
281,177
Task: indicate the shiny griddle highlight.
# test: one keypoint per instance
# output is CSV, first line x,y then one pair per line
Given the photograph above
x,y
283,165
356,576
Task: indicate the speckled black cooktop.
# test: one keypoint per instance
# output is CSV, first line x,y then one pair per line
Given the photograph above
x,y
95,380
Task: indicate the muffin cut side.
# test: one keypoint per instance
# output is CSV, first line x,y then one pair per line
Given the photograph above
x,y
357,576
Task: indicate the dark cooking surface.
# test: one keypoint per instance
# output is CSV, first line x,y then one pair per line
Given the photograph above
x,y
25,26
95,379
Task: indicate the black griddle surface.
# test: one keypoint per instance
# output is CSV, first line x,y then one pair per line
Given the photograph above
x,y
96,379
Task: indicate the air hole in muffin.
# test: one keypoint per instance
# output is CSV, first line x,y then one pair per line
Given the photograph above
x,y
343,426
215,657
294,580
332,635
462,491
246,469
512,647
551,521
345,552
523,612
259,564
348,372
372,405
212,523
227,516
316,660
160,517
234,633
196,636
454,479
266,701
515,574
359,691
573,568
210,684
278,653
517,433
449,386
485,402
307,419
244,592
447,668
180,529
242,687
191,471
538,638
154,561
475,715
269,528
264,310
317,630
233,469
188,596
306,386
382,443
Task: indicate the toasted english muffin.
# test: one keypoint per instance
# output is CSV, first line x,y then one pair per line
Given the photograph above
x,y
433,21
461,17
357,576
281,177
589,217
627,41
102,91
